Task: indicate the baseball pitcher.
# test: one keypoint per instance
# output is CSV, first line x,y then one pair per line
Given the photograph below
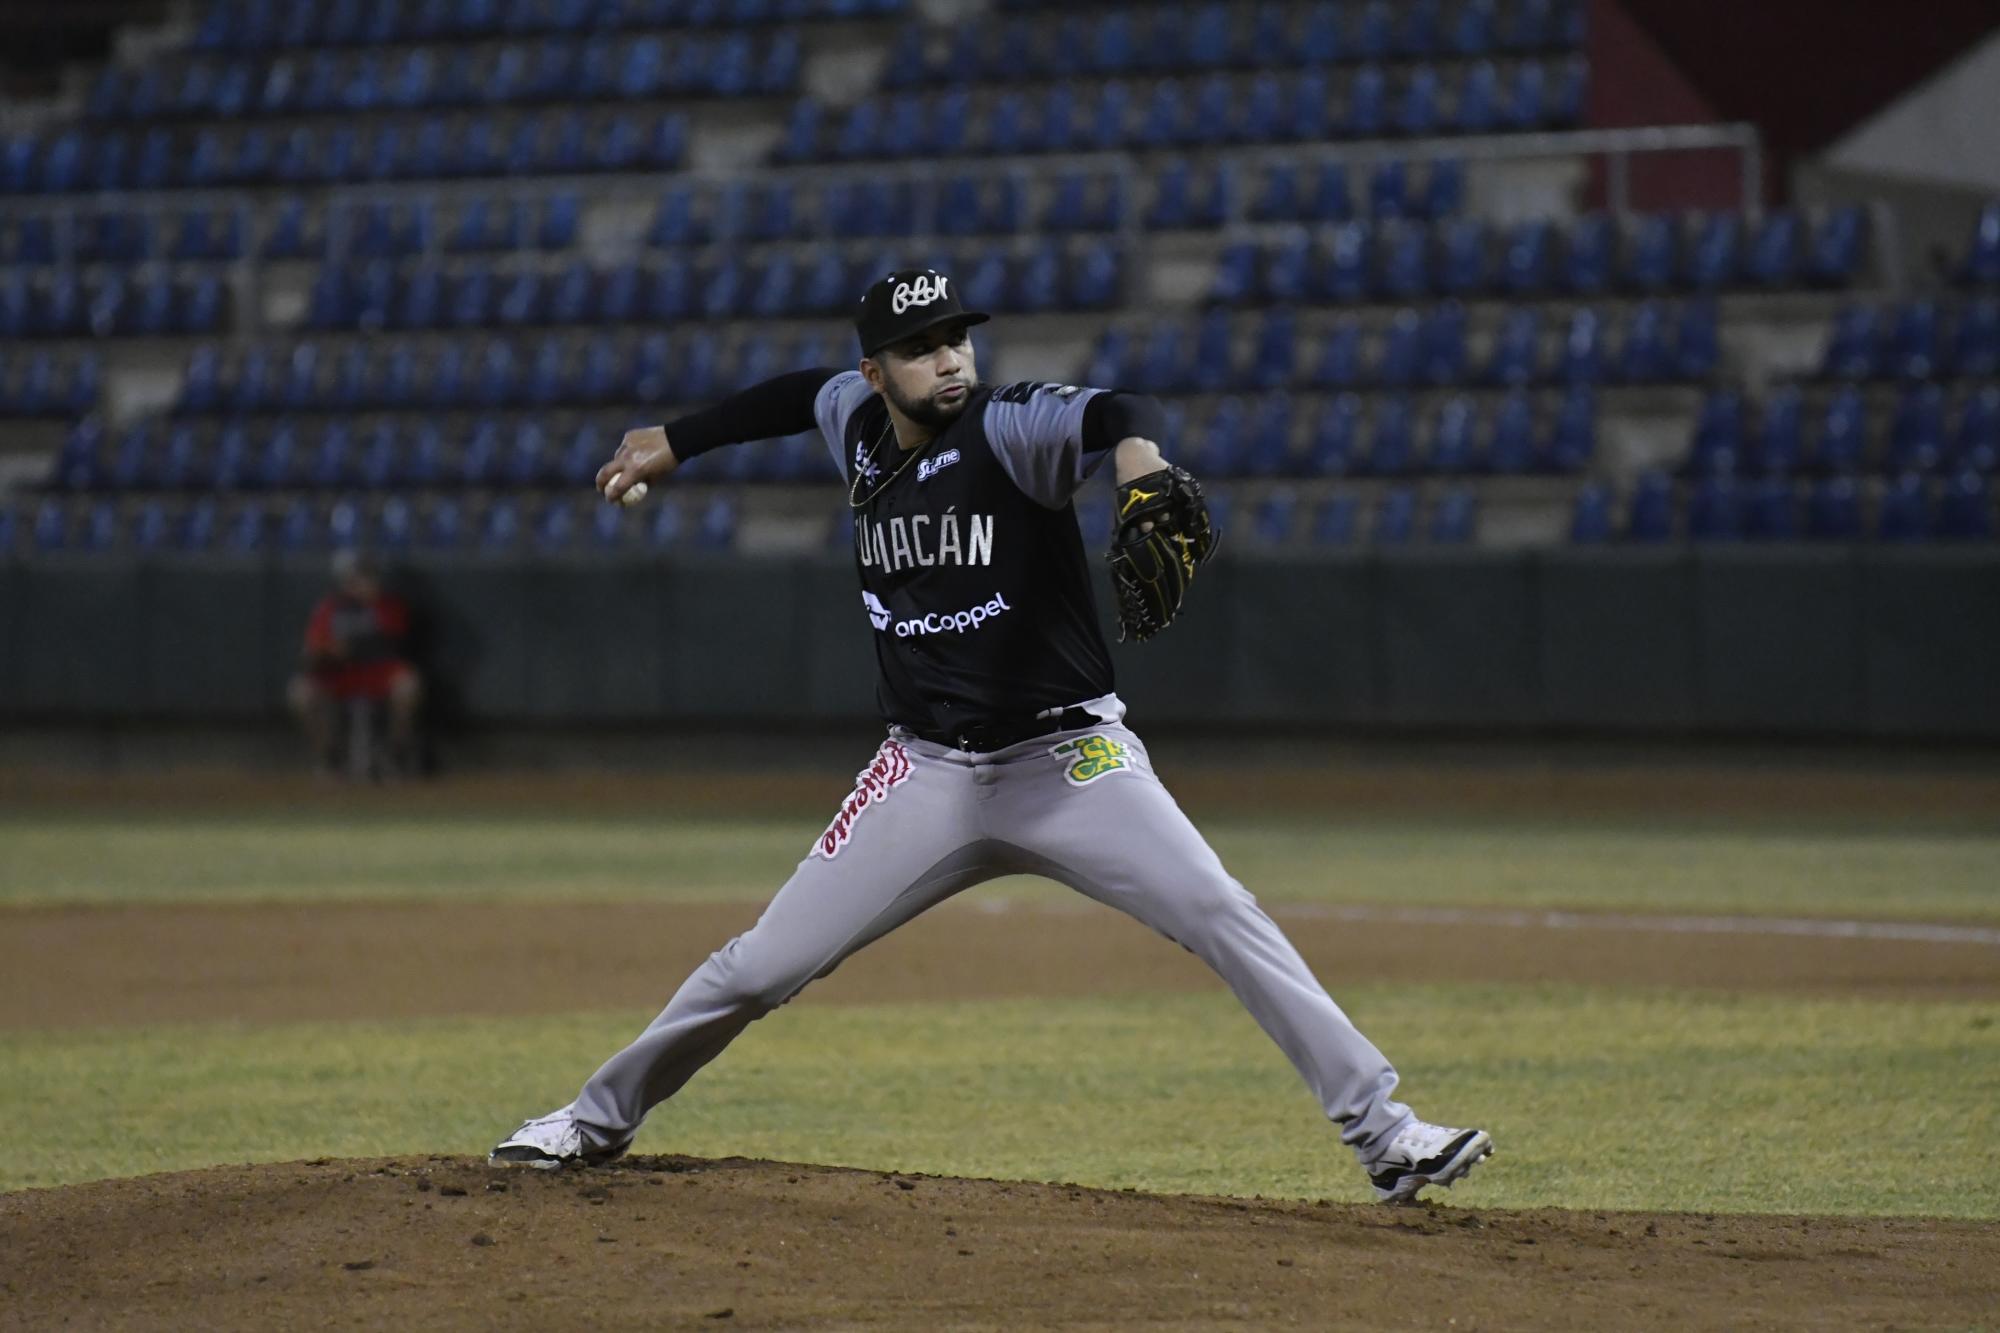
x,y
1007,751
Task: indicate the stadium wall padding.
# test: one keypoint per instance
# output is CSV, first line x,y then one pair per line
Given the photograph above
x,y
1857,642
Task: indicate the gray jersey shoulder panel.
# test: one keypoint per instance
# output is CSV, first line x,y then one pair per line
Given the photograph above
x,y
838,400
1036,433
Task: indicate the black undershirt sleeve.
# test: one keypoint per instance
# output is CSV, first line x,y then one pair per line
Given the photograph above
x,y
1118,415
775,408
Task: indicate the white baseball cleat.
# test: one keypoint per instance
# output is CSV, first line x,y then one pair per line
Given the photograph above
x,y
1422,1154
552,1142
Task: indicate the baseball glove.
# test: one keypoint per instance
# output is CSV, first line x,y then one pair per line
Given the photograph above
x,y
1163,534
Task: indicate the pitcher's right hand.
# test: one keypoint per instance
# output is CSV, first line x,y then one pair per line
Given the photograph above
x,y
643,455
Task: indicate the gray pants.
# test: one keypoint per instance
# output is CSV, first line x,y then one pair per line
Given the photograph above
x,y
924,821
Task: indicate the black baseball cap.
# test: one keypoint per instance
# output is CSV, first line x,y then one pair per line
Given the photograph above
x,y
906,303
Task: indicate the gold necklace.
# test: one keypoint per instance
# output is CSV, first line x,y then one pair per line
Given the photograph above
x,y
888,427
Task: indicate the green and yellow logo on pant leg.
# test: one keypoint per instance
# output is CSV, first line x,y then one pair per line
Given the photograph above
x,y
1091,757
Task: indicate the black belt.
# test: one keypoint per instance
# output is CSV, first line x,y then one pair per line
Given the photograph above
x,y
999,733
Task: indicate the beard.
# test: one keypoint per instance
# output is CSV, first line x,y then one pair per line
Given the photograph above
x,y
929,412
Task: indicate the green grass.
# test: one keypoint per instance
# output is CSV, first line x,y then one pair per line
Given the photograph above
x,y
1597,1099
1839,869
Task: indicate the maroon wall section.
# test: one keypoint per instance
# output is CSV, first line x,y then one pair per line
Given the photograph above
x,y
1634,82
1803,71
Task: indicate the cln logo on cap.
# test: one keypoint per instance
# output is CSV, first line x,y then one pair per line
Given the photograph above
x,y
926,289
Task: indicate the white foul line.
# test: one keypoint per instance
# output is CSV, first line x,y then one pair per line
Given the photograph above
x,y
1919,932
1907,931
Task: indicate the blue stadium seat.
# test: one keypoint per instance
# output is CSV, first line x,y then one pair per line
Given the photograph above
x,y
1581,360
1644,358
1573,432
1267,451
1479,99
1965,512
1843,436
180,462
1851,348
1405,273
1395,517
1651,515
230,468
1528,104
1455,518
1453,441
249,529
1773,257
1712,257
1516,357
1097,277
1367,103
1916,432
1839,247
1417,109
1339,363
801,137
50,531
1697,344
1264,119
1510,446
1330,201
1399,360
1172,207
1913,347
1287,269
1982,256
500,526
1771,511
1331,451
1388,189
1975,344
1474,29
1441,355
1715,510
333,465
1271,522
1237,278
1587,262
1833,510
1904,514
1976,441
1392,438
1345,275
1718,434
1336,520
1590,515
300,527
1444,188
717,529
1462,265
1214,120
1778,447
1321,40
199,525
1524,265
1650,261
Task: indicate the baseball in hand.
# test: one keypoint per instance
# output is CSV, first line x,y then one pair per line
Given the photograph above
x,y
633,496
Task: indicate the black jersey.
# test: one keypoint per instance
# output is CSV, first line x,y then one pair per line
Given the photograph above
x,y
973,574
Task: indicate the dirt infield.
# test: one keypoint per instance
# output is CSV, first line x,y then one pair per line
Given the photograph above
x,y
341,961
677,1243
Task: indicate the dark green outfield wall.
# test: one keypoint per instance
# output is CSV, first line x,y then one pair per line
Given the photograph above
x,y
1872,642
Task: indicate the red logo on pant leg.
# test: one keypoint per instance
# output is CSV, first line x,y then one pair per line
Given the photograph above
x,y
872,785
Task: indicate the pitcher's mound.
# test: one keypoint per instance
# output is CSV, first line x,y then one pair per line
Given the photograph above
x,y
443,1242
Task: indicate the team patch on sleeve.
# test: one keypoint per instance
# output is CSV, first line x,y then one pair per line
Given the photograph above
x,y
888,770
1088,758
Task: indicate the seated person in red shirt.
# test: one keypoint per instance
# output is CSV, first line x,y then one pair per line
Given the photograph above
x,y
354,650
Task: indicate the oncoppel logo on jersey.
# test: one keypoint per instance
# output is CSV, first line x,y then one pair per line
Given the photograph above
x,y
937,622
